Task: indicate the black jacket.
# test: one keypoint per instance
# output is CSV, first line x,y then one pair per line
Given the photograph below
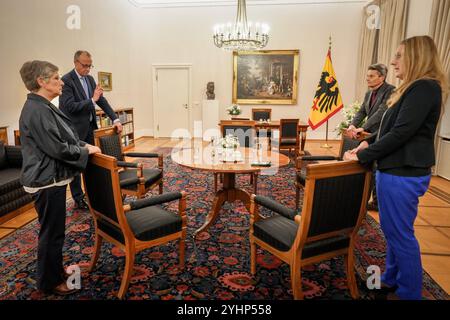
x,y
405,145
79,108
375,113
51,149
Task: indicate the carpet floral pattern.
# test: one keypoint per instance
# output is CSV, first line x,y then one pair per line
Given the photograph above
x,y
217,264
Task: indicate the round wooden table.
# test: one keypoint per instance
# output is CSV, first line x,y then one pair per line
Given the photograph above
x,y
208,159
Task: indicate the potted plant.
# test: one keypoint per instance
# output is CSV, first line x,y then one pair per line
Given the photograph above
x,y
349,112
234,110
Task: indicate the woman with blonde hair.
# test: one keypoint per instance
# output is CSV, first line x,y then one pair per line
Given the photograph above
x,y
404,151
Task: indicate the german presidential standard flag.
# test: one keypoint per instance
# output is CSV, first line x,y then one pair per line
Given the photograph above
x,y
327,100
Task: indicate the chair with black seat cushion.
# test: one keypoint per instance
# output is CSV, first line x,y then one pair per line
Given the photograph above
x,y
334,205
347,143
244,130
289,135
259,114
108,140
134,227
263,114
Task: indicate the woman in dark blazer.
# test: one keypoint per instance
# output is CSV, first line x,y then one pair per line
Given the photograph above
x,y
52,156
404,151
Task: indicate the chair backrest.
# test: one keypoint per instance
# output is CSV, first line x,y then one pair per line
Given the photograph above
x,y
289,128
335,199
109,141
17,137
349,143
261,114
243,129
102,186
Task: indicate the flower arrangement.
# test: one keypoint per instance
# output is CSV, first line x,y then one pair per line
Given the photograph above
x,y
234,110
229,142
349,112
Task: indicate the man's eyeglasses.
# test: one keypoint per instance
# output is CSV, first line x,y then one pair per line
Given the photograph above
x,y
86,66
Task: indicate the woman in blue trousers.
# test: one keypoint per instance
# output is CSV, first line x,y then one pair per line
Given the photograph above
x,y
404,151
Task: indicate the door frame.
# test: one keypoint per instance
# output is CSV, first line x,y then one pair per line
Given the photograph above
x,y
159,66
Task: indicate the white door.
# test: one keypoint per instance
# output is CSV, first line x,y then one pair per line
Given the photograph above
x,y
171,103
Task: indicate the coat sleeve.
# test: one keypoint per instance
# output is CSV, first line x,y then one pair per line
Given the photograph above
x,y
46,134
361,114
67,99
103,103
414,108
376,117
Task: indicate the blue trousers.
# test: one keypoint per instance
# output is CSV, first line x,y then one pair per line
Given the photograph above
x,y
398,198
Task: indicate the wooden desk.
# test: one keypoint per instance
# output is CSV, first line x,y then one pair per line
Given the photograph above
x,y
4,134
202,159
275,125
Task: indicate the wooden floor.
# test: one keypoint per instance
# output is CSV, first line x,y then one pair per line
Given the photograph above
x,y
432,225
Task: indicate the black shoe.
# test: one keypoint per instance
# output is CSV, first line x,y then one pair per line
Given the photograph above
x,y
385,292
81,205
372,206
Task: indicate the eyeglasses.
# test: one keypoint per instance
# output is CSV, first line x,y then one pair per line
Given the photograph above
x,y
86,66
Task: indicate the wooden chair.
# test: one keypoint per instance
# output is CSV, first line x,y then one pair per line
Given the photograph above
x,y
17,137
264,114
245,131
108,140
347,143
261,114
134,227
334,206
289,135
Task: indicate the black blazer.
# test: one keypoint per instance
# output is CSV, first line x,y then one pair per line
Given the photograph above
x,y
405,144
375,113
51,149
74,103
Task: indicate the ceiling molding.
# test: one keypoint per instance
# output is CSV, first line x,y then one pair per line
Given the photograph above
x,y
220,3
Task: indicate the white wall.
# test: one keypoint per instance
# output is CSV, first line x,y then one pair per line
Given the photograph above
x,y
184,35
126,41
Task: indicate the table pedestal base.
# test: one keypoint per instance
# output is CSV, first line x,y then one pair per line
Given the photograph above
x,y
229,193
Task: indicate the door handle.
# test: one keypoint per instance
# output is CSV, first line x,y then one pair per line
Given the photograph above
x,y
185,105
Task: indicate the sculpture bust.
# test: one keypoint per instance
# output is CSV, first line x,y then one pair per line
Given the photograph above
x,y
210,91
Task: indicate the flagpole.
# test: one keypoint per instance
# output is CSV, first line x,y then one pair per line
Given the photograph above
x,y
326,145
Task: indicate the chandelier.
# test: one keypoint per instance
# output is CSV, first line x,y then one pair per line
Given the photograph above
x,y
242,35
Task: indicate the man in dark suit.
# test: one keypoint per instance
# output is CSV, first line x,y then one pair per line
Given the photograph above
x,y
373,108
375,100
80,96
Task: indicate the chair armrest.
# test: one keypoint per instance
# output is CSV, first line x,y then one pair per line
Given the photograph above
x,y
298,161
141,155
146,155
159,199
14,156
129,182
127,164
275,207
318,158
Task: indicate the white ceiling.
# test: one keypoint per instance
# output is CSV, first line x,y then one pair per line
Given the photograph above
x,y
216,3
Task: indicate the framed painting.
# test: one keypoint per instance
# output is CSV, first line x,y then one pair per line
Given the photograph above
x,y
265,77
105,80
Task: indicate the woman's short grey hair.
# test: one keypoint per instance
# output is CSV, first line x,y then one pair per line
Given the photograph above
x,y
32,70
381,68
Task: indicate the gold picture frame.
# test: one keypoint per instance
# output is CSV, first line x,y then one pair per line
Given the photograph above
x,y
265,77
105,80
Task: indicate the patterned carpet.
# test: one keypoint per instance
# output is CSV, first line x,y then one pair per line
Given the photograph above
x,y
217,265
